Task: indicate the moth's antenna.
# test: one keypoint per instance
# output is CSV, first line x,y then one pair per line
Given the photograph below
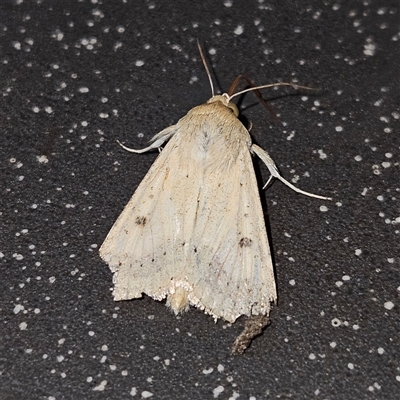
x,y
257,92
206,67
236,82
294,86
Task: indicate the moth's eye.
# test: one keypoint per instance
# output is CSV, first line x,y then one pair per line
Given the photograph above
x,y
234,108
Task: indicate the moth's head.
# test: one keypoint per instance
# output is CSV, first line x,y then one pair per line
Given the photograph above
x,y
224,99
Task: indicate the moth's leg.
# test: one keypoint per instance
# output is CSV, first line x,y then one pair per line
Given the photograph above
x,y
268,181
157,140
269,162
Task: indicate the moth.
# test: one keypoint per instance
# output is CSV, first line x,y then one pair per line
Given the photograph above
x,y
194,230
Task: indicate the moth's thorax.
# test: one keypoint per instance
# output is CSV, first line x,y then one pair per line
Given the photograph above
x,y
212,127
224,99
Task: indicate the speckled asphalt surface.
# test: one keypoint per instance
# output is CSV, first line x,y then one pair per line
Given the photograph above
x,y
78,75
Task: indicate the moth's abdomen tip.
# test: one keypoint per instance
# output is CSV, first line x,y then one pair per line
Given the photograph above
x,y
178,301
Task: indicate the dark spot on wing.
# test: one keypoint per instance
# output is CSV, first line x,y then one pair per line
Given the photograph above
x,y
245,242
141,221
